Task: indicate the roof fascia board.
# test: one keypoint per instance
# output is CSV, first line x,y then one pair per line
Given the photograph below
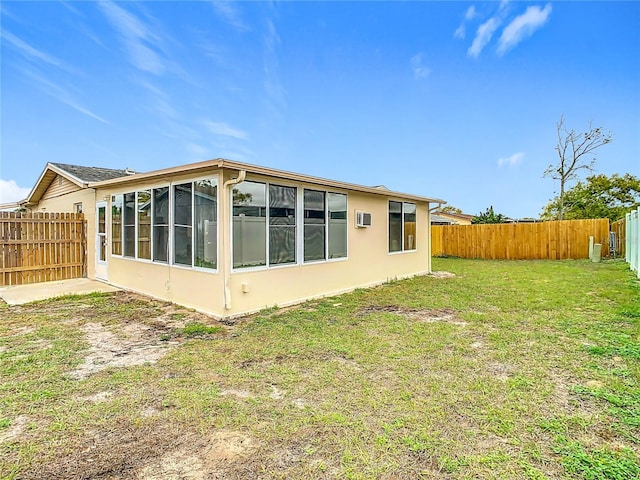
x,y
258,170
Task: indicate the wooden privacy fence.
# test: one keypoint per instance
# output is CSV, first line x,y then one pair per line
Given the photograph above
x,y
565,239
40,247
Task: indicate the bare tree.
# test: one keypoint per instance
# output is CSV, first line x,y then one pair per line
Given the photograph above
x,y
576,152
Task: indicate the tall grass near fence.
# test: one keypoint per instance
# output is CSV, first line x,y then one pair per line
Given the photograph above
x,y
558,240
40,247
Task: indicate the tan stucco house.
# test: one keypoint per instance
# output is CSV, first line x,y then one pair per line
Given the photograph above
x,y
230,238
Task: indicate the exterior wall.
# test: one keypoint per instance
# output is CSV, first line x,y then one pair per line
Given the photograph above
x,y
368,261
65,203
191,287
59,186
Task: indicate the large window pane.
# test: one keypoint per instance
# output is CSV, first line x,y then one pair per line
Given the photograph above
x,y
205,205
314,225
129,220
337,225
116,224
409,227
144,224
160,224
182,217
395,226
282,224
249,225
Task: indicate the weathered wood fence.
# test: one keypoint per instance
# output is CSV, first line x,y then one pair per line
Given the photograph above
x,y
40,247
565,239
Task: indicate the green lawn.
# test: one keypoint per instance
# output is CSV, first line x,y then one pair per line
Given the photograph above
x,y
510,369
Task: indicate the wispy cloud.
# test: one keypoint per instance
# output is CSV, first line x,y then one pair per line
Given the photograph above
x,y
469,15
140,41
33,54
512,161
10,191
483,36
419,69
272,84
61,94
230,14
523,26
223,129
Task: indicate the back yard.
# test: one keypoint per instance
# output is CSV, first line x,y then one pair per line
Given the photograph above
x,y
509,369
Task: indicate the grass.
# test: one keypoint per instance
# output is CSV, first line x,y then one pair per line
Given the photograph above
x,y
510,369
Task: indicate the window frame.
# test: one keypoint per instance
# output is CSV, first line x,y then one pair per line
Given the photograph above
x,y
300,187
215,178
402,227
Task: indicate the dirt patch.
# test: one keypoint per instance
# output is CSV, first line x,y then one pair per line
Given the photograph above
x,y
17,427
443,274
243,394
149,452
422,315
137,345
210,460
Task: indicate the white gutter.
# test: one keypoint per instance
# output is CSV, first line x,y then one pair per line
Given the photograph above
x,y
226,251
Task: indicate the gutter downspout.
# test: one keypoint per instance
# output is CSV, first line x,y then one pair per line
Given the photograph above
x,y
226,237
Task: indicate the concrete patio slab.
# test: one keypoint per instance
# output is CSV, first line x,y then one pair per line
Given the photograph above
x,y
21,294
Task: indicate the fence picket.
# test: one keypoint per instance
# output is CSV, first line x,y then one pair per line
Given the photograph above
x,y
558,240
38,247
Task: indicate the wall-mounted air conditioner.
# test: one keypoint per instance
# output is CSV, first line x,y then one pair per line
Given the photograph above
x,y
363,219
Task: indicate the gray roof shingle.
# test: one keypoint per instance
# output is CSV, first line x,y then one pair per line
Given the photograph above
x,y
92,174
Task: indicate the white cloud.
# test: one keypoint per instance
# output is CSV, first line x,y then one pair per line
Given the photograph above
x,y
221,128
483,36
32,53
469,15
272,85
418,67
512,161
227,11
137,37
523,26
61,94
11,192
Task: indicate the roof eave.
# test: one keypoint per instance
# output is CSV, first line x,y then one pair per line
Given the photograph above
x,y
255,169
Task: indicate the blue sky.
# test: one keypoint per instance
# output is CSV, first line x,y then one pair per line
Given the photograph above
x,y
455,100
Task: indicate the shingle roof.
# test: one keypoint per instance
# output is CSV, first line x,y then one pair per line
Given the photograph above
x,y
91,174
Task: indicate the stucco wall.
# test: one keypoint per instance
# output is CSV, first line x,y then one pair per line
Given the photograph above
x,y
368,261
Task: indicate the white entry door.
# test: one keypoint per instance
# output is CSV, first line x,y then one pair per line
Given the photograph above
x,y
101,240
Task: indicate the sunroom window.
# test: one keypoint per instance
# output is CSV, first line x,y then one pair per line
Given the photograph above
x,y
160,201
205,206
337,225
129,221
116,224
282,224
249,224
314,225
402,226
144,224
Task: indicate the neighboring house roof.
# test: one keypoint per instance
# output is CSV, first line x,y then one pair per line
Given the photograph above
x,y
437,219
258,170
455,216
77,174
